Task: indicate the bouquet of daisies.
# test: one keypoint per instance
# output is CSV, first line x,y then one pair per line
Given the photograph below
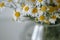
x,y
40,11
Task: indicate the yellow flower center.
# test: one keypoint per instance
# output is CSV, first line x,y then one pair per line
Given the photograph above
x,y
58,1
10,0
2,4
17,14
34,10
26,8
41,18
58,6
47,21
51,1
43,8
22,5
54,17
40,0
51,9
33,0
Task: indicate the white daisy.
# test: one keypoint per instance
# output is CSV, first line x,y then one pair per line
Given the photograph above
x,y
40,12
29,2
15,1
52,21
17,14
2,5
27,10
57,15
34,12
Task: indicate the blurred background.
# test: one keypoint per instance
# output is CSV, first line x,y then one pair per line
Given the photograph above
x,y
11,30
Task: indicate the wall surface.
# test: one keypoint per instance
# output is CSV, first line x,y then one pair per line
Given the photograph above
x,y
11,30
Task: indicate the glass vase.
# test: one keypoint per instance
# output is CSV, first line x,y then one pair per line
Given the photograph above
x,y
52,32
46,32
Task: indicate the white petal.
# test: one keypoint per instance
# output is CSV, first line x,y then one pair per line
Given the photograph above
x,y
52,21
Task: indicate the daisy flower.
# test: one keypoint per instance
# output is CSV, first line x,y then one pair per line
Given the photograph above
x,y
17,14
58,1
39,0
40,12
53,19
51,9
27,10
38,3
46,21
9,0
32,3
41,18
22,5
2,4
43,8
34,12
58,6
57,15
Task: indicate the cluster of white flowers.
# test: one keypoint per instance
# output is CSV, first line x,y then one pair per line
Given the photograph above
x,y
40,10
